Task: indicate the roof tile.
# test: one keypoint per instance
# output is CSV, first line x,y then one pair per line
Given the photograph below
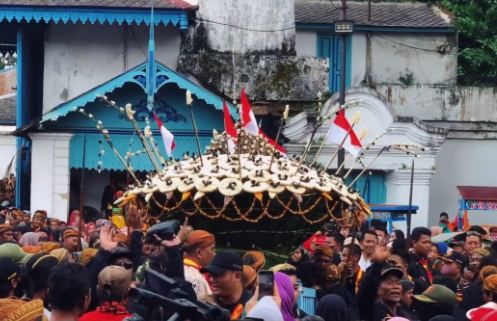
x,y
8,109
161,4
385,14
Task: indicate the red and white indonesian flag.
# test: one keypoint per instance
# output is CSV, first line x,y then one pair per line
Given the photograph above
x,y
248,118
277,146
338,132
229,127
250,123
167,137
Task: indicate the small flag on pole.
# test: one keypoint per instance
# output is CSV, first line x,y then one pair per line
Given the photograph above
x,y
250,123
248,118
271,141
167,137
340,130
229,127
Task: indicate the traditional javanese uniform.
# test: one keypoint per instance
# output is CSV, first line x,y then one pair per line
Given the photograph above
x,y
197,239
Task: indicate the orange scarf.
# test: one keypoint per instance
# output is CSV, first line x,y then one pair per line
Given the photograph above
x,y
237,312
358,280
191,263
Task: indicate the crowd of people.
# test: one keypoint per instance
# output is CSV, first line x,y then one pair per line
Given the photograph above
x,y
86,271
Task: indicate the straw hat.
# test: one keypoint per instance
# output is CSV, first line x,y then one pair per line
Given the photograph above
x,y
230,186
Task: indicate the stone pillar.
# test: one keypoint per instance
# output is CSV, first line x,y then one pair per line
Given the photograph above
x,y
398,185
50,173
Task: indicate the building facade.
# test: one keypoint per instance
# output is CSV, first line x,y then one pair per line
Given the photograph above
x,y
401,68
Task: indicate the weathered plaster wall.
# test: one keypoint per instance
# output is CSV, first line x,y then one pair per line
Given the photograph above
x,y
306,43
474,162
7,148
404,58
264,77
243,26
394,58
452,103
80,57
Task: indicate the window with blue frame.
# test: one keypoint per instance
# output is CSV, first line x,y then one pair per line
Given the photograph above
x,y
371,186
328,46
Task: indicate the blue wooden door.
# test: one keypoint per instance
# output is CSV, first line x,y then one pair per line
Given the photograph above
x,y
372,187
329,47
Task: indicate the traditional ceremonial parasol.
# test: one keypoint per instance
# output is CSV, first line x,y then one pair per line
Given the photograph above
x,y
249,195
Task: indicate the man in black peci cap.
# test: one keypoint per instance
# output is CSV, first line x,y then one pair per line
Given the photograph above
x,y
387,304
225,273
453,267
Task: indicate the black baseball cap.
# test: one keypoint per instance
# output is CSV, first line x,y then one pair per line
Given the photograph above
x,y
224,261
477,229
391,270
9,270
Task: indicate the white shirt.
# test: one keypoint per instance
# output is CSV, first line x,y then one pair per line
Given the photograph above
x,y
364,263
198,281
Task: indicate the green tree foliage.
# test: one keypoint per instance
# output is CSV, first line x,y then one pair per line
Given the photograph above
x,y
7,60
476,22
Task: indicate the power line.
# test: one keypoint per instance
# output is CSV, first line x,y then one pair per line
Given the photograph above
x,y
242,28
408,46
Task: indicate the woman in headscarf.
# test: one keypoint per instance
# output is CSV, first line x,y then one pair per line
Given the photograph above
x,y
285,290
332,308
266,309
29,242
29,238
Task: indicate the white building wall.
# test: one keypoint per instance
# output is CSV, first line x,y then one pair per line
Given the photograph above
x,y
7,149
79,57
396,55
398,190
50,173
306,43
392,56
463,162
378,117
358,70
242,26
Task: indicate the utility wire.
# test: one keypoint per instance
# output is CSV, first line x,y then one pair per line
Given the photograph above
x,y
242,28
406,45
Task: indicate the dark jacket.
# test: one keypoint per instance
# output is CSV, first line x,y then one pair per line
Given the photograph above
x,y
368,290
472,296
341,291
380,312
422,277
